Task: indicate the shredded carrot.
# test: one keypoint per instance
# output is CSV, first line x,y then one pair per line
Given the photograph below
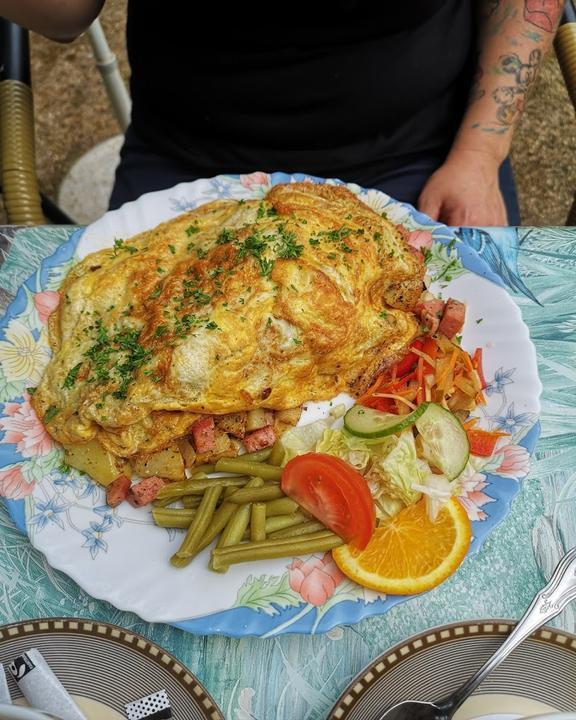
x,y
467,361
420,379
372,389
470,423
398,398
441,381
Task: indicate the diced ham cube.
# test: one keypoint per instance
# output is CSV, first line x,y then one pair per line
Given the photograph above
x,y
260,439
118,490
430,313
453,318
145,491
204,435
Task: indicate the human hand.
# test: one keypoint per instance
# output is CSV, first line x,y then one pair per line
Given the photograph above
x,y
465,191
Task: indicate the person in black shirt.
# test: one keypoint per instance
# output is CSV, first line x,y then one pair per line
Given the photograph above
x,y
418,99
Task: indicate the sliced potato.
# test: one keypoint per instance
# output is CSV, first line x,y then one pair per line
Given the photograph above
x,y
166,463
257,419
225,447
289,417
234,423
187,451
92,459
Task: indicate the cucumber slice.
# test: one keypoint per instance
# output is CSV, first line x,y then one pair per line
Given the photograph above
x,y
444,440
366,422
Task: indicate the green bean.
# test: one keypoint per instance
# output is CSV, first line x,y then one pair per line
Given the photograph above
x,y
197,487
191,501
277,454
206,469
279,522
260,494
258,522
198,527
238,523
246,467
163,501
294,530
257,455
268,549
173,517
281,506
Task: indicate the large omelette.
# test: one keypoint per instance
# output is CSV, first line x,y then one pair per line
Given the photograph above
x,y
231,307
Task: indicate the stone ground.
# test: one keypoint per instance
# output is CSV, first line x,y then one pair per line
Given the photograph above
x,y
73,115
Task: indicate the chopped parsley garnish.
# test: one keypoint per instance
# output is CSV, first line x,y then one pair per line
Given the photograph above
x,y
172,249
211,325
427,254
200,252
155,293
71,377
191,229
226,236
383,314
297,341
64,468
51,413
287,247
31,390
479,321
121,245
161,330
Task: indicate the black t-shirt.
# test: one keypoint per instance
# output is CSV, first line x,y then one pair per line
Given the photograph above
x,y
339,88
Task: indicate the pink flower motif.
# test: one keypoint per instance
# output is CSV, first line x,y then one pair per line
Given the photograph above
x,y
255,178
472,497
23,428
13,485
420,239
515,462
315,579
46,302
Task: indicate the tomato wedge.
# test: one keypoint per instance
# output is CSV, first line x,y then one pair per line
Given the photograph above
x,y
483,442
334,493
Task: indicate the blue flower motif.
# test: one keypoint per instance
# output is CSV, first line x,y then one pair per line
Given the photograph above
x,y
501,378
220,188
512,422
67,480
94,541
90,488
48,512
106,513
182,204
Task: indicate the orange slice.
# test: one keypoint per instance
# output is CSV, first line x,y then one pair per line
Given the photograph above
x,y
409,554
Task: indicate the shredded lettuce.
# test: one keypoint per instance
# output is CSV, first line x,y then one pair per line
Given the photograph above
x,y
303,438
354,450
437,490
397,472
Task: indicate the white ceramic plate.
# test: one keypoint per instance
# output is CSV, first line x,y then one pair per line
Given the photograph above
x,y
120,556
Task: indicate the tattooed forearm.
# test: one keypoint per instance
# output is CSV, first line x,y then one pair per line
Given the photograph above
x,y
511,99
544,14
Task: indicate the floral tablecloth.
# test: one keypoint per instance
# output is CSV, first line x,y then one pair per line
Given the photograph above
x,y
295,676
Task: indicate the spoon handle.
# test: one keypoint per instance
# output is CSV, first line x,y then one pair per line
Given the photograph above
x,y
548,603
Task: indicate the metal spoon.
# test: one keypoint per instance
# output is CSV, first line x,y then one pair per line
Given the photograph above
x,y
548,603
